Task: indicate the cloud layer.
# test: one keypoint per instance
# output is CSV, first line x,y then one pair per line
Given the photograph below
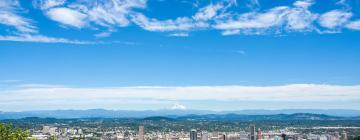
x,y
108,16
25,29
214,16
62,96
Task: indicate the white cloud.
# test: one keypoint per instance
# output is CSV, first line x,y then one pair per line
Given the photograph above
x,y
102,34
334,19
107,13
9,16
230,32
41,39
20,23
179,24
200,20
67,16
179,34
276,20
354,25
111,14
253,20
304,3
208,12
26,31
300,18
46,4
63,95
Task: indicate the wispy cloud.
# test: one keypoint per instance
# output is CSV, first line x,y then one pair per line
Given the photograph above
x,y
334,19
26,31
354,25
179,24
249,21
41,39
253,4
102,34
107,13
9,15
200,20
276,20
46,4
46,39
67,96
208,12
179,34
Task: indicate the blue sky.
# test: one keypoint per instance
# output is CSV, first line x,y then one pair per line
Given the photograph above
x,y
248,52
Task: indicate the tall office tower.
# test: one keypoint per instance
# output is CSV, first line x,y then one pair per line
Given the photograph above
x,y
252,132
344,136
284,137
193,134
141,132
259,134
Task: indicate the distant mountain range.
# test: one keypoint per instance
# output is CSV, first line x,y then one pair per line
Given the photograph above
x,y
332,114
276,117
241,117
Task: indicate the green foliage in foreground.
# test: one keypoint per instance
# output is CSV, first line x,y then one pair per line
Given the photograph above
x,y
7,132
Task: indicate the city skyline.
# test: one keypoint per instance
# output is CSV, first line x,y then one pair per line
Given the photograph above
x,y
181,54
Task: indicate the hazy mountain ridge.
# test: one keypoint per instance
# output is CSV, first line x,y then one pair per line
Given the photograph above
x,y
277,117
183,114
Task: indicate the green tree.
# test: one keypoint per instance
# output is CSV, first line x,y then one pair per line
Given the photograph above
x,y
7,132
53,137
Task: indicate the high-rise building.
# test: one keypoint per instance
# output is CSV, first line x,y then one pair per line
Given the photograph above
x,y
193,134
284,137
259,134
252,132
141,132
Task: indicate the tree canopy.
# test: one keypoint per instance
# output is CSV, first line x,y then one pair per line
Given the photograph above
x,y
8,132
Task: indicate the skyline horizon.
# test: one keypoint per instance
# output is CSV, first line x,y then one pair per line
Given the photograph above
x,y
191,109
300,114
